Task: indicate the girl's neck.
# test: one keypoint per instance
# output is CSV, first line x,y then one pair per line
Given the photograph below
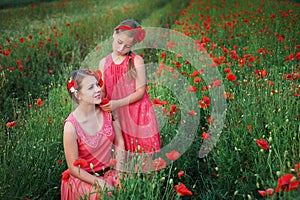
x,y
118,58
84,111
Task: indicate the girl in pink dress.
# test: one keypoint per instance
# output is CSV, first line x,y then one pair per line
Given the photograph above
x,y
88,140
125,85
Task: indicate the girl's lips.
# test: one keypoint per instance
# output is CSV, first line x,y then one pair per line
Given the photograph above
x,y
98,96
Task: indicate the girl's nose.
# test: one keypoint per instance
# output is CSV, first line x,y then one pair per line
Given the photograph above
x,y
98,88
121,47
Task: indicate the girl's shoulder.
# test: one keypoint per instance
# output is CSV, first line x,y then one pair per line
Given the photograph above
x,y
70,125
103,62
137,59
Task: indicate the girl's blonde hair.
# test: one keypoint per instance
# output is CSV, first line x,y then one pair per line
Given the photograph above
x,y
131,71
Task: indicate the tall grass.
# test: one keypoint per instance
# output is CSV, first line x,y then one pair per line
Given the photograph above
x,y
45,42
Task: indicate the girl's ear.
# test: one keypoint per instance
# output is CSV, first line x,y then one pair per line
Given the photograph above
x,y
76,95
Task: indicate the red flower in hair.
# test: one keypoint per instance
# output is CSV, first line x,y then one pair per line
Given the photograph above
x,y
72,86
98,75
140,34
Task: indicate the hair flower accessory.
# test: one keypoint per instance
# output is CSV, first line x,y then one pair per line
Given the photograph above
x,y
72,86
140,34
98,75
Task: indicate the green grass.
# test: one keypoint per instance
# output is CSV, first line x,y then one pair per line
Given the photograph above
x,y
32,158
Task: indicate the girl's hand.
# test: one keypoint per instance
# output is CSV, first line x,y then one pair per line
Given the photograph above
x,y
110,106
106,107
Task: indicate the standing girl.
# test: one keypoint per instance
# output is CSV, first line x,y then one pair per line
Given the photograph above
x,y
88,140
125,84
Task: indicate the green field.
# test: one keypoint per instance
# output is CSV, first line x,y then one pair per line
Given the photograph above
x,y
253,46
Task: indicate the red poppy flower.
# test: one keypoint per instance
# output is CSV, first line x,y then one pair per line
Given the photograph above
x,y
272,16
249,127
195,73
216,83
39,102
158,102
21,67
227,70
65,175
182,190
180,174
262,193
206,100
205,136
231,77
284,15
173,155
297,56
262,144
261,73
173,109
251,59
104,101
192,89
11,124
80,162
287,183
192,113
158,164
211,120
6,53
297,167
197,80
270,191
202,104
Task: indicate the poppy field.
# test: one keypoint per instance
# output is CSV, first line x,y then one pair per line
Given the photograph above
x,y
253,46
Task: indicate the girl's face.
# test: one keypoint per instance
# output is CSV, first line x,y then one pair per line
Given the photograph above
x,y
90,91
122,43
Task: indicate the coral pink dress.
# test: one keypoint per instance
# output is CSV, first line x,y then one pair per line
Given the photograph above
x,y
138,120
95,149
